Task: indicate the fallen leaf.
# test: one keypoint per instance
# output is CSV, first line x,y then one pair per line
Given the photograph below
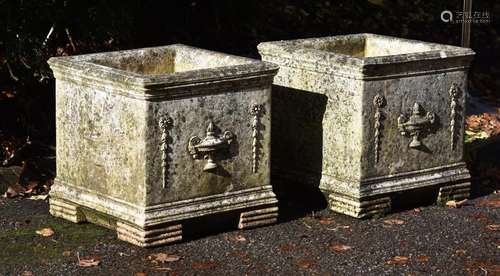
x,y
417,210
140,274
490,202
423,258
399,260
455,204
460,252
66,253
46,232
493,227
27,273
305,263
163,269
88,262
481,217
203,266
340,247
14,190
39,197
394,222
288,247
236,253
31,187
164,257
236,238
326,220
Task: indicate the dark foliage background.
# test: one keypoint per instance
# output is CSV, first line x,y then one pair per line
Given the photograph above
x,y
27,87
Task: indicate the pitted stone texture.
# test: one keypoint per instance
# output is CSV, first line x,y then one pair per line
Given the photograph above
x,y
323,102
124,120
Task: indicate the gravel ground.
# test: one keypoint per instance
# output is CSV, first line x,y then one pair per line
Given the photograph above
x,y
436,240
308,240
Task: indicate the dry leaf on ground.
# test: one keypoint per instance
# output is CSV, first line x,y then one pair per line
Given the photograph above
x,y
394,221
163,257
460,252
15,190
423,258
455,204
305,263
236,238
140,274
340,247
398,260
66,253
88,262
27,273
288,247
493,227
490,202
46,232
326,220
203,266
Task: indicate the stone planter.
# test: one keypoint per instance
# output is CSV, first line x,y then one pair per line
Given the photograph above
x,y
150,138
368,116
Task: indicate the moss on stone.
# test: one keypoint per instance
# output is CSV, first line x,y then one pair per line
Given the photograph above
x,y
36,249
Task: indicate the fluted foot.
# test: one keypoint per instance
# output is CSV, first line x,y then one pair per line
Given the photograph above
x,y
66,210
258,217
148,237
453,192
359,208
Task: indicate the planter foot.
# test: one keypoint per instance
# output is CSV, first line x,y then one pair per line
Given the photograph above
x,y
453,192
66,210
359,208
258,217
149,237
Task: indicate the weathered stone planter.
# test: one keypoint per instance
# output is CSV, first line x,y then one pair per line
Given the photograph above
x,y
149,138
367,116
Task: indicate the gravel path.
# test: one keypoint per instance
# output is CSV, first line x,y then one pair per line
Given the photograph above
x,y
429,240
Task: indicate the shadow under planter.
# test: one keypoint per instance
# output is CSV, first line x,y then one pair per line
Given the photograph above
x,y
297,150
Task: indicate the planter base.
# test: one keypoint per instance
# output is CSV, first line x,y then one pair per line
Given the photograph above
x,y
160,224
258,217
453,192
359,208
144,237
381,204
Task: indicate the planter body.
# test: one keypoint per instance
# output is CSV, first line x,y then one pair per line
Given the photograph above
x,y
369,116
149,138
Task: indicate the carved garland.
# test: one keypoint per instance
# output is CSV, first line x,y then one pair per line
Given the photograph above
x,y
257,111
378,102
165,124
454,93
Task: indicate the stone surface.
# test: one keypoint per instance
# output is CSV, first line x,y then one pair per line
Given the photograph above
x,y
154,136
367,115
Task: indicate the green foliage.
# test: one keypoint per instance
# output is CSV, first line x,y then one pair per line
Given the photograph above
x,y
224,25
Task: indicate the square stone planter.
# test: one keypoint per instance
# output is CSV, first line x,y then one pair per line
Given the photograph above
x,y
150,138
368,116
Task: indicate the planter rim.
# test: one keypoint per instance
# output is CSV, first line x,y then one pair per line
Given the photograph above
x,y
85,67
302,50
